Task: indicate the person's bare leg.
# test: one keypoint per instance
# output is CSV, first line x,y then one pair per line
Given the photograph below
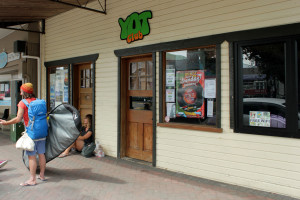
x,y
42,162
67,151
32,168
79,144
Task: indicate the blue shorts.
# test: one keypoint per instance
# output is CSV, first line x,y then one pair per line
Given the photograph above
x,y
39,148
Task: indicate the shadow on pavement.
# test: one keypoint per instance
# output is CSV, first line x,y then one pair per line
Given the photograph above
x,y
55,175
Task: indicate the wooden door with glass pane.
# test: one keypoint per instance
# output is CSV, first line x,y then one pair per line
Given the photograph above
x,y
139,134
85,90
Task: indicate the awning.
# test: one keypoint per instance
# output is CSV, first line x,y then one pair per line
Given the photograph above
x,y
15,13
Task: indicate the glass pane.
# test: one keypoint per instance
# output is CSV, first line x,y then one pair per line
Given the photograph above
x,y
143,83
87,73
263,71
149,83
133,84
5,94
82,73
59,86
141,103
87,83
82,83
185,75
142,68
149,67
133,69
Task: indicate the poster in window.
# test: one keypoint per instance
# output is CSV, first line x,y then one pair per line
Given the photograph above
x,y
259,118
66,89
59,87
190,94
52,91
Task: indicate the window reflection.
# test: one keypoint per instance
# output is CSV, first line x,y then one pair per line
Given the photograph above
x,y
140,103
140,75
59,86
264,85
186,73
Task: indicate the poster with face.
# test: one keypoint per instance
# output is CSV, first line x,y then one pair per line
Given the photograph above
x,y
190,94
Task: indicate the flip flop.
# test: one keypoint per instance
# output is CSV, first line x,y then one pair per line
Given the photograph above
x,y
41,178
26,184
63,155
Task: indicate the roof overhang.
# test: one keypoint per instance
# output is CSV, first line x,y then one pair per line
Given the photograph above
x,y
15,13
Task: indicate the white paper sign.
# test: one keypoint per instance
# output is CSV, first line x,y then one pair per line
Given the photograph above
x,y
210,88
171,110
170,77
210,108
170,95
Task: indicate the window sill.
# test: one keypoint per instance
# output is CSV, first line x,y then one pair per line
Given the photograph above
x,y
191,127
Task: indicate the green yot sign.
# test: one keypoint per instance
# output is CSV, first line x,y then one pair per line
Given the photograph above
x,y
135,27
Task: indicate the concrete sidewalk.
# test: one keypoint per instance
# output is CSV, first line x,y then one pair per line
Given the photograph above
x,y
76,177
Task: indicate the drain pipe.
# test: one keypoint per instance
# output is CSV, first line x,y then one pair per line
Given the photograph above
x,y
39,71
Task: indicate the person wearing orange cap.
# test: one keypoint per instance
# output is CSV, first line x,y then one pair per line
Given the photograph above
x,y
27,93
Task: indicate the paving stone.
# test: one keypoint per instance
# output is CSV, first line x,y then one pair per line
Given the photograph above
x,y
76,177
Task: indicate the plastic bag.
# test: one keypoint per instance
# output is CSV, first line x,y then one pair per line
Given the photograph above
x,y
25,142
99,150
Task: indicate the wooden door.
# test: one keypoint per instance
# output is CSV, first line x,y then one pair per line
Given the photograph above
x,y
139,109
84,90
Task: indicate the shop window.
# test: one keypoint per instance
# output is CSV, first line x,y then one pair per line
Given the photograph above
x,y
5,98
58,86
190,87
266,86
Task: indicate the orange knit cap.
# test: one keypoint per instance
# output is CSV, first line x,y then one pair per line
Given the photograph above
x,y
27,87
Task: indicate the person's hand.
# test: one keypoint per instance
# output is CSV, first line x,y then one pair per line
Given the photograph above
x,y
2,122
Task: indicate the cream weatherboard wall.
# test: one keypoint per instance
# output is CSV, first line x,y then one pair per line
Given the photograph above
x,y
260,162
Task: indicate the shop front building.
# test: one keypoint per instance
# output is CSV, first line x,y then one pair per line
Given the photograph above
x,y
208,89
15,69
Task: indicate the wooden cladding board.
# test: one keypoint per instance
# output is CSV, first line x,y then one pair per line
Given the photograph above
x,y
260,162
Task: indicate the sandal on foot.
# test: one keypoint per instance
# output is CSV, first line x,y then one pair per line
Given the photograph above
x,y
42,179
26,184
63,155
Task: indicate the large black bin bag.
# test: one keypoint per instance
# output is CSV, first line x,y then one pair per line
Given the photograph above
x,y
64,128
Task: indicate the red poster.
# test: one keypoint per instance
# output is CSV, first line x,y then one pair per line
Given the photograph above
x,y
190,94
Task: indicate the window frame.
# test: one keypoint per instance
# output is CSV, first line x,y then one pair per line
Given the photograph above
x,y
291,87
217,128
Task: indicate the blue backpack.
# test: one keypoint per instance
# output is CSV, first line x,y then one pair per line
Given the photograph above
x,y
37,126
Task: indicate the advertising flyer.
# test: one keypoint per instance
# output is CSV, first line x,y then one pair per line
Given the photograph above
x,y
170,95
259,118
170,77
190,94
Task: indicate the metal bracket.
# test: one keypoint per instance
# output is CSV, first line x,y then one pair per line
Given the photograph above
x,y
84,6
21,26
